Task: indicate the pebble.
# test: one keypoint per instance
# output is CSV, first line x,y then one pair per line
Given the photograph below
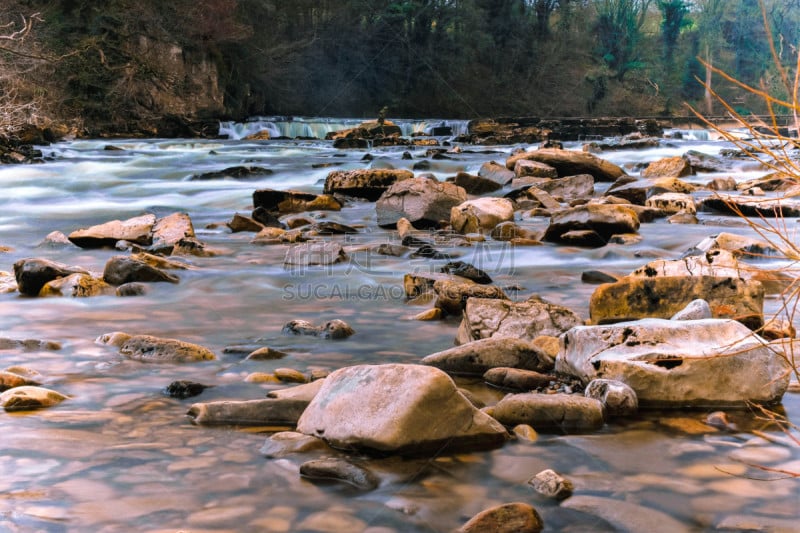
x,y
551,484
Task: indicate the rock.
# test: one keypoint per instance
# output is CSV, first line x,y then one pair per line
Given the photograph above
x,y
78,286
424,413
340,470
290,375
778,328
260,135
475,184
597,277
679,363
570,162
535,198
265,218
701,162
476,357
682,218
305,391
131,289
424,202
333,329
467,271
567,188
722,184
672,202
618,399
604,219
506,518
625,516
508,231
149,349
524,168
515,378
489,318
368,183
452,296
544,411
497,173
586,238
183,389
137,230
32,274
284,202
265,412
526,433
431,314
115,338
694,310
551,484
170,230
314,254
10,380
265,354
668,167
748,206
123,269
286,443
55,238
236,173
30,397
638,191
738,245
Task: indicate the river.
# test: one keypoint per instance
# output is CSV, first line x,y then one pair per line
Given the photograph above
x,y
120,455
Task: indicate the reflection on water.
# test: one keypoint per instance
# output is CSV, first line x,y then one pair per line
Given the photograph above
x,y
121,456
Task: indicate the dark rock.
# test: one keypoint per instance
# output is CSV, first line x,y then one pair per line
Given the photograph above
x,y
183,389
235,173
597,277
465,270
340,470
604,219
368,183
132,289
32,274
268,220
124,269
475,184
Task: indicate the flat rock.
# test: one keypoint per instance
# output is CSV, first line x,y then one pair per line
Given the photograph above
x,y
738,245
570,162
237,172
150,349
32,274
525,168
424,202
671,167
625,516
515,517
286,443
314,254
423,413
476,357
670,363
495,172
754,207
30,397
516,378
489,318
604,219
672,203
475,184
123,269
546,411
368,183
285,202
264,412
9,380
137,230
637,191
333,469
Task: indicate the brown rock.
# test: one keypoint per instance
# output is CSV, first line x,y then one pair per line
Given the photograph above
x,y
672,167
506,518
137,230
571,162
369,183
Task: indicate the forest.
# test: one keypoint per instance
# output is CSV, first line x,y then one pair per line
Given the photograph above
x,y
120,65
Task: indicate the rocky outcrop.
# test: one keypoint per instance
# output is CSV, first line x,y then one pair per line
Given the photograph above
x,y
423,201
423,413
368,183
679,363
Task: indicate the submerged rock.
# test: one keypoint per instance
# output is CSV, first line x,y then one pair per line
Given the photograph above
x,y
507,518
318,253
29,397
625,516
149,349
485,318
235,173
545,411
264,412
679,363
423,413
32,274
290,442
333,329
333,469
10,380
183,389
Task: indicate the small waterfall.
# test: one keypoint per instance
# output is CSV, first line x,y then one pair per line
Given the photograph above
x,y
318,128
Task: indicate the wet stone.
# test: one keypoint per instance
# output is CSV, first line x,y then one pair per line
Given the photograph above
x,y
289,442
32,274
131,289
290,375
29,397
150,349
121,269
507,518
517,379
551,484
617,398
183,389
340,470
265,353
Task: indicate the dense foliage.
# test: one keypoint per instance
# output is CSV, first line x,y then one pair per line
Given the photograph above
x,y
458,58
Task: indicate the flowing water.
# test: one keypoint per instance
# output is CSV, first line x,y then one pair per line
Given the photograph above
x,y
119,455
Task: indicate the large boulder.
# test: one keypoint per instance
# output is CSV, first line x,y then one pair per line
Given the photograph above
x,y
369,183
671,363
137,230
423,201
605,220
488,318
405,409
285,202
33,274
476,357
738,245
570,162
481,214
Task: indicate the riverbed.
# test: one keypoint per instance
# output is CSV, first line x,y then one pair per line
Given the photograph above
x,y
120,455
